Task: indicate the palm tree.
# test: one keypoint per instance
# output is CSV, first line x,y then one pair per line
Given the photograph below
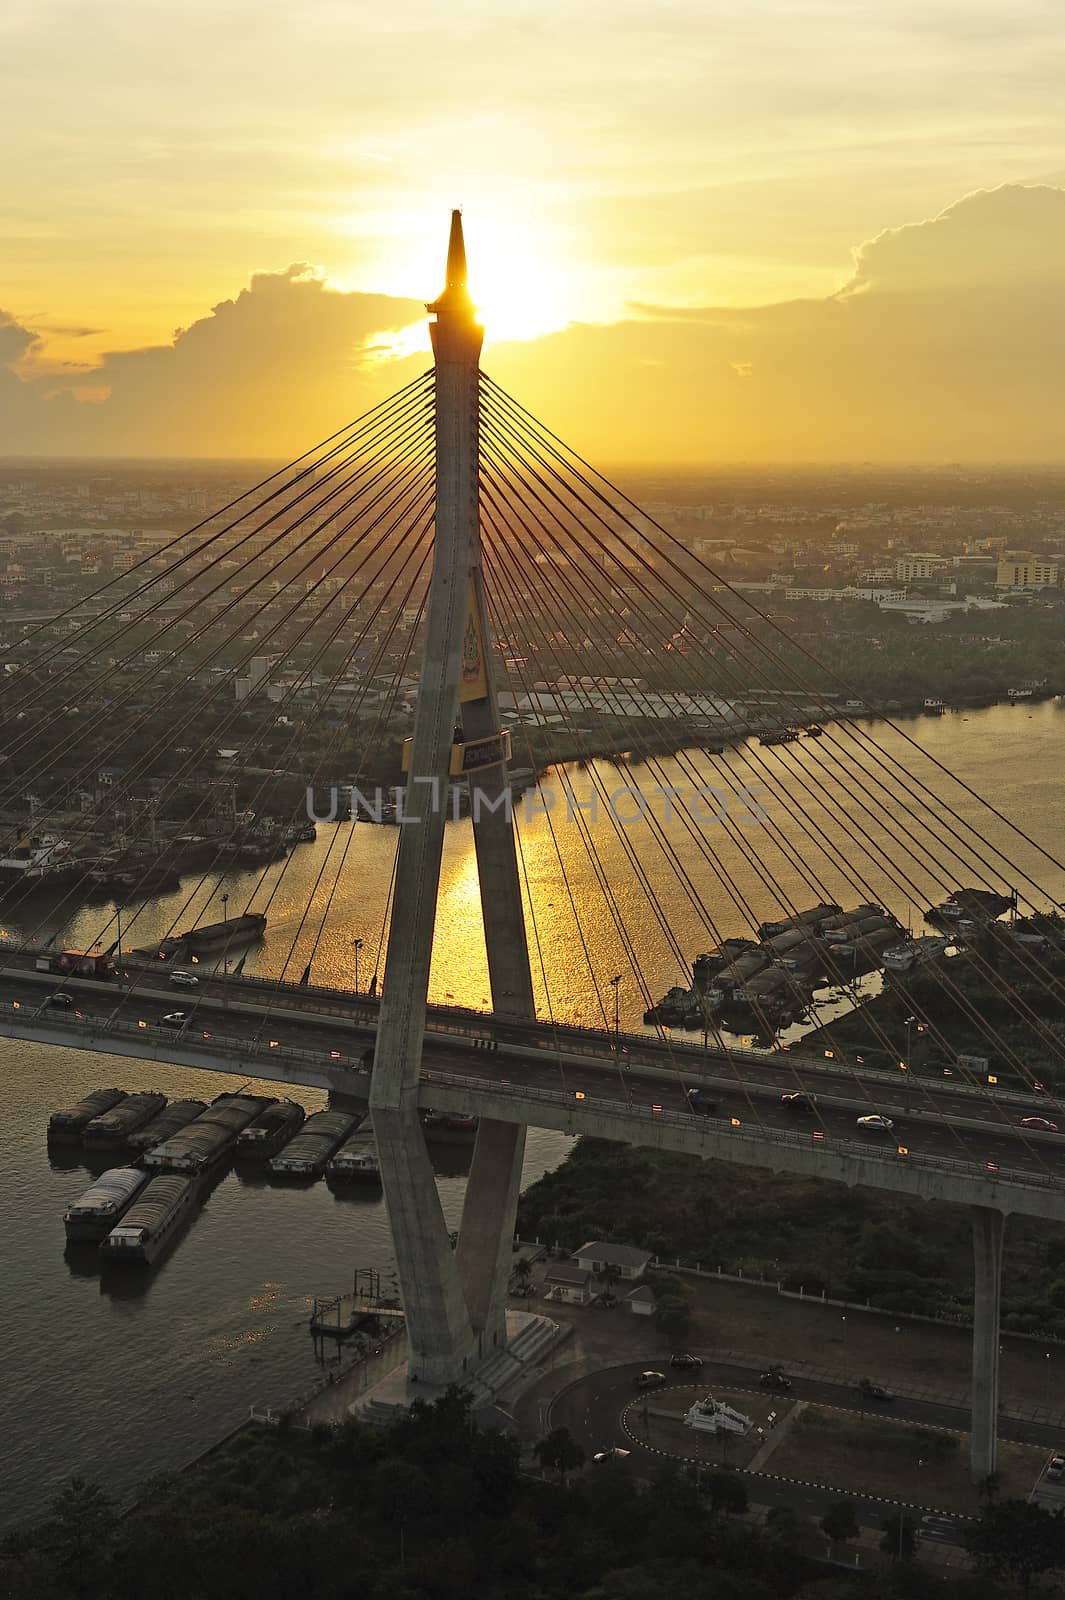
x,y
559,1452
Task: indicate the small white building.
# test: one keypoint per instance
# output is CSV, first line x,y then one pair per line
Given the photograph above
x,y
597,1254
568,1283
641,1301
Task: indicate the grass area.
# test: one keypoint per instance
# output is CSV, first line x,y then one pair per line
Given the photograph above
x,y
902,1460
658,1420
758,1323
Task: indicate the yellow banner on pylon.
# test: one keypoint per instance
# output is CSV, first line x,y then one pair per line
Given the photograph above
x,y
473,677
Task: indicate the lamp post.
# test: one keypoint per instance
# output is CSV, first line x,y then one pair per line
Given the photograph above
x,y
615,984
356,945
909,1025
118,915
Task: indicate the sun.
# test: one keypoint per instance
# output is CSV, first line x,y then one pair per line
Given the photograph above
x,y
520,279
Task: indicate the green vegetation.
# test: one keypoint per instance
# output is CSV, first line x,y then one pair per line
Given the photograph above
x,y
432,1508
854,1244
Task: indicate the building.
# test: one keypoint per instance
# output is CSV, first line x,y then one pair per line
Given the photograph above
x,y
597,1254
918,568
641,1301
1025,572
568,1283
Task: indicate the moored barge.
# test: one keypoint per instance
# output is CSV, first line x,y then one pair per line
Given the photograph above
x,y
269,1133
322,1134
94,1214
178,1114
151,1221
355,1162
116,1125
209,1137
67,1126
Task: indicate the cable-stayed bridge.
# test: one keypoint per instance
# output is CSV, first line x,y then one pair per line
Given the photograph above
x,y
448,553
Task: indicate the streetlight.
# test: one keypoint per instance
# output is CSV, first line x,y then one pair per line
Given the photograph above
x,y
356,945
118,914
615,984
225,912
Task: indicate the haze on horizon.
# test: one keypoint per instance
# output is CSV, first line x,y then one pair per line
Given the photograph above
x,y
740,230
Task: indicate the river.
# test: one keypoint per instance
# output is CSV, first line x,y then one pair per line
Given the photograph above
x,y
116,1383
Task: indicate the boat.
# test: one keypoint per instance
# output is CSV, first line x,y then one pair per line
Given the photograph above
x,y
780,736
448,1127
178,1114
934,707
66,1126
116,1125
355,1162
151,1221
1019,694
269,1133
94,1214
306,1155
208,1138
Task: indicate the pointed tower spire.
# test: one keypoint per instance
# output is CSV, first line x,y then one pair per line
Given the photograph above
x,y
456,333
456,254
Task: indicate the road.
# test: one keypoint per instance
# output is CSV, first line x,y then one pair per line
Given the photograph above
x,y
591,1408
944,1125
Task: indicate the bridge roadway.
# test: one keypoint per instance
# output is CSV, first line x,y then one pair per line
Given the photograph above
x,y
952,1154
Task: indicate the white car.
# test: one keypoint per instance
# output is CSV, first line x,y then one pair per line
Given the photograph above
x,y
876,1124
175,1019
184,980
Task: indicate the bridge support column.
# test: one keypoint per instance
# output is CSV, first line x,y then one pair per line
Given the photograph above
x,y
988,1230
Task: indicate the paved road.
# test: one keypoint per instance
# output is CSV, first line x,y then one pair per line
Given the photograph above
x,y
591,1408
752,1095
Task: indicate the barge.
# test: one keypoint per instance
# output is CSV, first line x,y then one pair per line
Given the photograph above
x,y
307,1154
269,1133
95,1213
355,1162
448,1127
116,1125
151,1221
67,1126
178,1114
208,1138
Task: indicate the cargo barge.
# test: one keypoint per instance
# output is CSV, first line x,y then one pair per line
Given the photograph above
x,y
307,1154
210,1137
95,1213
178,1114
67,1126
115,1126
355,1162
151,1221
269,1133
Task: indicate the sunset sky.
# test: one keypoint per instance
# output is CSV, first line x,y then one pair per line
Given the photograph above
x,y
784,229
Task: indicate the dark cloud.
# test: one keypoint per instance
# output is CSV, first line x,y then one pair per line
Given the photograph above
x,y
947,342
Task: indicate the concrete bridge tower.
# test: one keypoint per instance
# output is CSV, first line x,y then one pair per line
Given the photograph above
x,y
454,1299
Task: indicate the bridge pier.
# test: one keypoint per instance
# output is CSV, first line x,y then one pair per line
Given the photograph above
x,y
988,1231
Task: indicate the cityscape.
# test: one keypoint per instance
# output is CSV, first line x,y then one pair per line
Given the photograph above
x,y
532,928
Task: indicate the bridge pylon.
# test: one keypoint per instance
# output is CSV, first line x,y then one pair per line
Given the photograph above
x,y
454,1299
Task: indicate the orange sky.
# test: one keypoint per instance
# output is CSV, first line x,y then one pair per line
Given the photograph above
x,y
708,231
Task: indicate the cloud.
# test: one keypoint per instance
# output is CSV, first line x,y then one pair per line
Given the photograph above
x,y
947,342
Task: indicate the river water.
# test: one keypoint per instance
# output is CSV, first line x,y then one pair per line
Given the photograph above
x,y
116,1381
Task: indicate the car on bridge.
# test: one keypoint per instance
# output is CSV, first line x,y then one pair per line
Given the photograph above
x,y
1041,1124
63,1000
175,1019
876,1124
650,1380
803,1105
184,980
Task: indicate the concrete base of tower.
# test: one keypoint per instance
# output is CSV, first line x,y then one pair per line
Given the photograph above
x,y
494,1383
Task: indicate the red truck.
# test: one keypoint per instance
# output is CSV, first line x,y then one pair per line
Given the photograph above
x,y
78,964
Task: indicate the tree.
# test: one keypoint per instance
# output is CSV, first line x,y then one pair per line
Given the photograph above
x,y
783,1522
80,1531
898,1540
522,1276
608,1275
840,1522
1020,1538
559,1452
725,1492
